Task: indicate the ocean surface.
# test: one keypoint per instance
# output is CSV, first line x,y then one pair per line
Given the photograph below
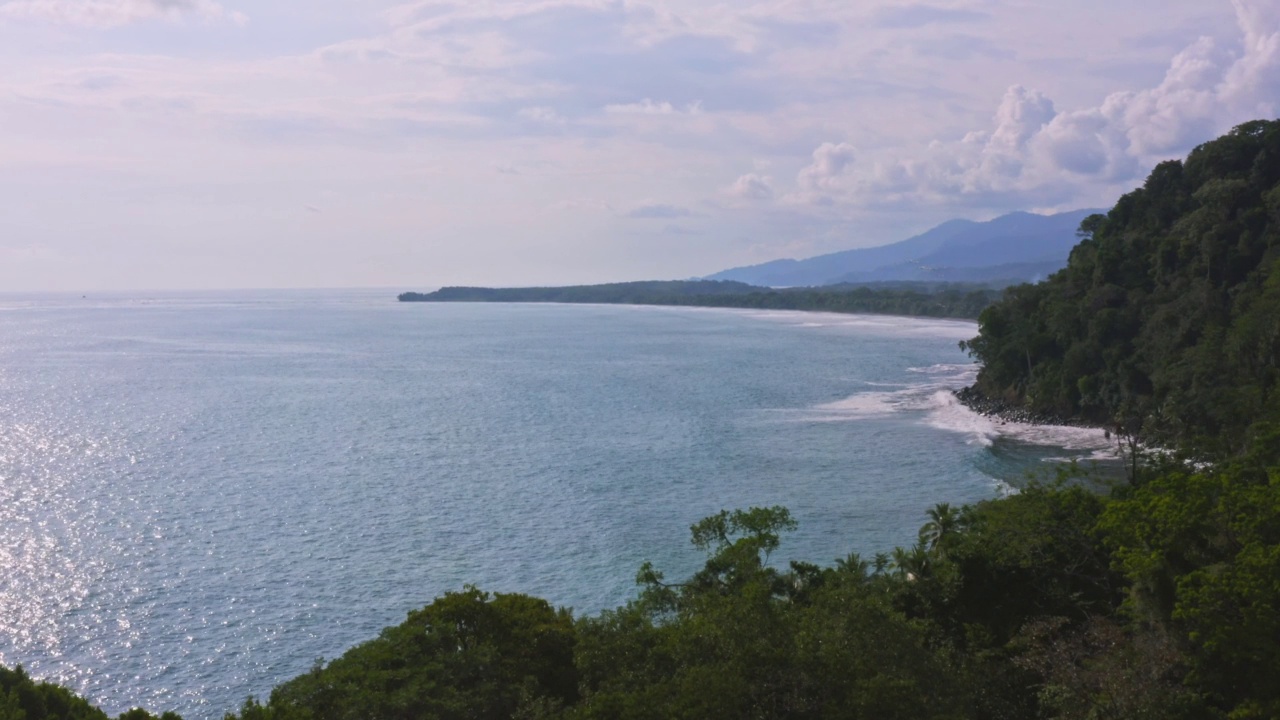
x,y
203,493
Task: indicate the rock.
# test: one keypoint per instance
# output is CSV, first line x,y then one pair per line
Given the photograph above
x,y
971,398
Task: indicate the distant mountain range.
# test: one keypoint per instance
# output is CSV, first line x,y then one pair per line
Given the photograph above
x,y
1019,246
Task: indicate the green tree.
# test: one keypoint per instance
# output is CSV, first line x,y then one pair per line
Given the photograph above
x,y
469,654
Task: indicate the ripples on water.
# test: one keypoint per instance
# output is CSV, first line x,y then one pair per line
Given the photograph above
x,y
201,494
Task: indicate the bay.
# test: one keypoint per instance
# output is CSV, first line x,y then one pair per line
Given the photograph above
x,y
203,493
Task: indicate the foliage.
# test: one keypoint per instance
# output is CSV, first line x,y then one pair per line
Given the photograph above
x,y
959,300
22,698
1202,554
1166,321
743,638
469,654
1056,602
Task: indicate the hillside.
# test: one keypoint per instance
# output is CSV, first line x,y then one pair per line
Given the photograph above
x,y
1019,246
1166,321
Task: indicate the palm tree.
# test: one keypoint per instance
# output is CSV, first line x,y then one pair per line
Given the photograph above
x,y
944,521
913,563
881,562
854,565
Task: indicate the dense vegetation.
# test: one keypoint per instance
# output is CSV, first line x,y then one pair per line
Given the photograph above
x,y
950,300
1057,602
1054,603
1166,320
1157,600
22,698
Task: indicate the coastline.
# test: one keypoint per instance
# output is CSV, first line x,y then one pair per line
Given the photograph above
x,y
956,301
1001,410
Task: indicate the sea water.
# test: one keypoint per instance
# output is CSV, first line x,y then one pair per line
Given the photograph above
x,y
203,493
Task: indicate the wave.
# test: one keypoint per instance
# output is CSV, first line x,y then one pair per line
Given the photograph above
x,y
871,323
950,414
967,368
937,406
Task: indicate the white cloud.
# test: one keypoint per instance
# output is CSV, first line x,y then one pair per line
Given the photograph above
x,y
1033,155
429,116
649,107
751,187
544,115
828,174
111,13
1253,83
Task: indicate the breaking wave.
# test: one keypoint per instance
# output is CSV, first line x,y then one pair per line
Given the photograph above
x,y
933,402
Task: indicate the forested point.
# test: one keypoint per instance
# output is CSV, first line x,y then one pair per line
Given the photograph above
x,y
942,300
1166,321
1154,600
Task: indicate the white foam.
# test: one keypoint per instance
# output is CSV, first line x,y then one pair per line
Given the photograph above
x,y
951,414
949,368
939,408
864,404
891,325
947,413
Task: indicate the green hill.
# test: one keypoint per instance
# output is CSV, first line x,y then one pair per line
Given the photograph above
x,y
1166,320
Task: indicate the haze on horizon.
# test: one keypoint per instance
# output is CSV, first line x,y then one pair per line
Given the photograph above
x,y
220,144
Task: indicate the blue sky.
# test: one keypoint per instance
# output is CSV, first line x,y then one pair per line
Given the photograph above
x,y
222,144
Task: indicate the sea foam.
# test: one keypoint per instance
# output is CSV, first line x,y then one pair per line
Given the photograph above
x,y
934,401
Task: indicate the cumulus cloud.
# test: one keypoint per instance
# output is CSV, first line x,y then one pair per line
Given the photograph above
x,y
1033,154
111,13
829,171
751,187
1253,82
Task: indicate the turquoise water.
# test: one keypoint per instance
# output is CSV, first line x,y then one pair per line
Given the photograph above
x,y
200,494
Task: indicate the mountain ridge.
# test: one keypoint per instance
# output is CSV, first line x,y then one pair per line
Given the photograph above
x,y
1040,244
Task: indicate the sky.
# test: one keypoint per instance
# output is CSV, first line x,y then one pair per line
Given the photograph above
x,y
192,144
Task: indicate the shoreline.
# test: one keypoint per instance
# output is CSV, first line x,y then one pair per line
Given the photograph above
x,y
957,301
1001,410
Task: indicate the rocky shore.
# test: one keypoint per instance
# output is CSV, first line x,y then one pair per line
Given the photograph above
x,y
993,408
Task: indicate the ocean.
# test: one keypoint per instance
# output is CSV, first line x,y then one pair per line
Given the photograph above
x,y
203,493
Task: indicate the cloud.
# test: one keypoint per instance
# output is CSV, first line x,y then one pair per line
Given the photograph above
x,y
658,211
823,120
1253,82
543,115
679,230
1033,155
649,107
915,16
751,187
828,171
112,13
958,47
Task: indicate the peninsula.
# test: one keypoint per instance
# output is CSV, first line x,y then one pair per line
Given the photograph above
x,y
942,300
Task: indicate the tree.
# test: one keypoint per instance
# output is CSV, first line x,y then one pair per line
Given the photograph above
x,y
944,521
468,654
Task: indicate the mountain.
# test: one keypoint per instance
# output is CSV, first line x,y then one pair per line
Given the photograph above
x,y
1017,246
